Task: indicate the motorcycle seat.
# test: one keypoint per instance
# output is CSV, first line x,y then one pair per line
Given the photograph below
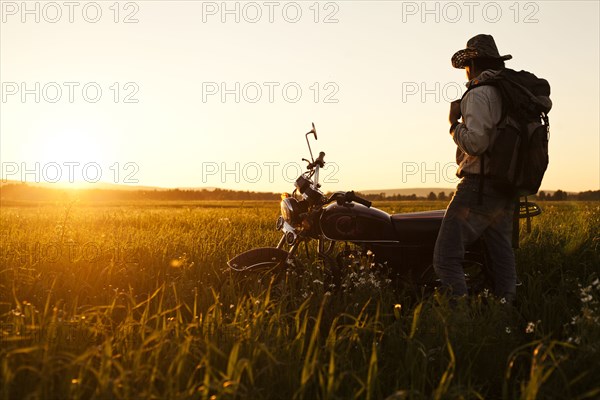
x,y
418,227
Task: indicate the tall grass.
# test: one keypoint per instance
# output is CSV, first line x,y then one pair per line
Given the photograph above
x,y
124,301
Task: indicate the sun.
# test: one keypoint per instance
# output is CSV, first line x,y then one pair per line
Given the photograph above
x,y
73,156
70,145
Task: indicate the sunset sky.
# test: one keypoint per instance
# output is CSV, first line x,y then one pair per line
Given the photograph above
x,y
180,94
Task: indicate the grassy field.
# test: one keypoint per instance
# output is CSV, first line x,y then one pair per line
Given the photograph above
x,y
134,301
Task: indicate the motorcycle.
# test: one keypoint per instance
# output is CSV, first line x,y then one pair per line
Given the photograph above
x,y
403,243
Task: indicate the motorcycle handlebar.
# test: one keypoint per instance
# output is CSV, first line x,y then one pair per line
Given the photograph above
x,y
350,196
320,161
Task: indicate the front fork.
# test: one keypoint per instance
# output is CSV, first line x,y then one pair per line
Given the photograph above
x,y
281,242
325,247
293,247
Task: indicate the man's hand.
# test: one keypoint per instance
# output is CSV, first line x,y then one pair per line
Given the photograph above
x,y
454,111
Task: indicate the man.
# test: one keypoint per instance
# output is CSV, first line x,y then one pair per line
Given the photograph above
x,y
477,208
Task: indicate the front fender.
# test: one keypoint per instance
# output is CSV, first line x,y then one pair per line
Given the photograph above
x,y
259,258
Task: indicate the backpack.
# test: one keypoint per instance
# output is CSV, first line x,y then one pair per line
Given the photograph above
x,y
518,157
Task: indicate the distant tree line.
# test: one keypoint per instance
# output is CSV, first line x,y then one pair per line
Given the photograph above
x,y
24,192
395,197
559,195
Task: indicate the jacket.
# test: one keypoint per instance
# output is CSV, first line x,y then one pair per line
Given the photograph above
x,y
481,110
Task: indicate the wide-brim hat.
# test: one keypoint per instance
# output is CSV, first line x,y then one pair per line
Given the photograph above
x,y
480,46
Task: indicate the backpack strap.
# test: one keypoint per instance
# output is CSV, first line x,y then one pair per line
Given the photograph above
x,y
528,215
503,96
516,227
481,178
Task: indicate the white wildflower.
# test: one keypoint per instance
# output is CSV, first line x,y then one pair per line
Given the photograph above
x,y
530,327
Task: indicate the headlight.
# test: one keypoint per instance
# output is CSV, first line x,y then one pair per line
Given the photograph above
x,y
291,209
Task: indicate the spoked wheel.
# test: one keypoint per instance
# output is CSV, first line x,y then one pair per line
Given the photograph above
x,y
476,276
475,270
428,280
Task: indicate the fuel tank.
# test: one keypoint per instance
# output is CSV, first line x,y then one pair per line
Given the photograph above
x,y
357,223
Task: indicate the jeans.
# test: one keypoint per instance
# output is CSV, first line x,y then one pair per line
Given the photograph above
x,y
464,222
